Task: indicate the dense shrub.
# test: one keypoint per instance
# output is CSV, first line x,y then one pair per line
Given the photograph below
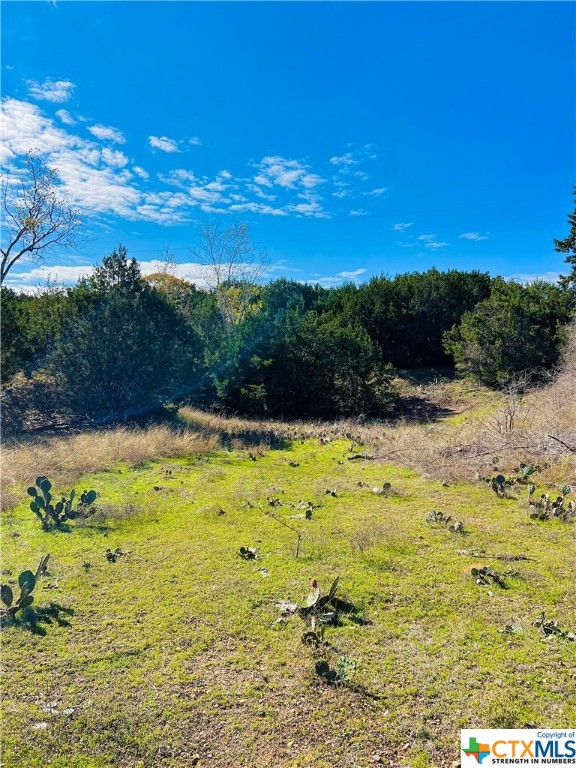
x,y
519,328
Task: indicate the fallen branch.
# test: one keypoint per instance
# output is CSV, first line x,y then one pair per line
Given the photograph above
x,y
361,456
295,530
569,447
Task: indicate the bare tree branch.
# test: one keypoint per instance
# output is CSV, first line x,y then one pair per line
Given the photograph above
x,y
34,217
231,267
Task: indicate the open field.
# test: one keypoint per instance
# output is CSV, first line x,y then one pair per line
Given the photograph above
x,y
174,655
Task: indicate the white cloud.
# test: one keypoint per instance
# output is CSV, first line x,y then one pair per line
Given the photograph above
x,y
107,133
547,277
285,173
141,172
195,141
313,209
377,192
354,157
473,236
101,179
402,227
257,208
56,91
93,179
28,281
114,158
180,177
426,238
337,279
435,246
346,159
259,192
66,117
163,143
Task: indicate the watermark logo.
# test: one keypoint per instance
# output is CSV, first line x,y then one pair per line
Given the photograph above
x,y
477,750
512,747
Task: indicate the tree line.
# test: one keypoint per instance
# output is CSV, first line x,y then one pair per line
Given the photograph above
x,y
118,344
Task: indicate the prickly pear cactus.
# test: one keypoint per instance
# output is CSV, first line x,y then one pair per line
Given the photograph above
x,y
55,515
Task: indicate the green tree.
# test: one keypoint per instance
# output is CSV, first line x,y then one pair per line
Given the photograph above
x,y
568,246
116,272
518,328
15,351
130,352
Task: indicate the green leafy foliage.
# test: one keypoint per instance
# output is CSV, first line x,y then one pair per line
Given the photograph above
x,y
55,515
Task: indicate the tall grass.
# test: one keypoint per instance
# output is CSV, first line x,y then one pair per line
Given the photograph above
x,y
65,458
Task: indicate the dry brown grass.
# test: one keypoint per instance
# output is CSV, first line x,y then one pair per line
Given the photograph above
x,y
538,427
65,458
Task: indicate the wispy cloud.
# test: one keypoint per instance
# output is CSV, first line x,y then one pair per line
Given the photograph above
x,y
285,173
431,242
331,281
351,275
354,156
547,277
257,208
473,236
195,141
56,91
100,179
163,143
402,227
66,117
95,179
141,172
346,159
107,133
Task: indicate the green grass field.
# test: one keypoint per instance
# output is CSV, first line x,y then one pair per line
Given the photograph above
x,y
174,655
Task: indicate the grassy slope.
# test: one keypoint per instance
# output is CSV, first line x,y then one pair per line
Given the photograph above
x,y
174,650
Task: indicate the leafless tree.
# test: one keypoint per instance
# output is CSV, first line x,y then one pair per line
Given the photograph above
x,y
34,216
231,266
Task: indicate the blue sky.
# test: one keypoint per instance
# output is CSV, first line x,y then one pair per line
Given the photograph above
x,y
354,138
